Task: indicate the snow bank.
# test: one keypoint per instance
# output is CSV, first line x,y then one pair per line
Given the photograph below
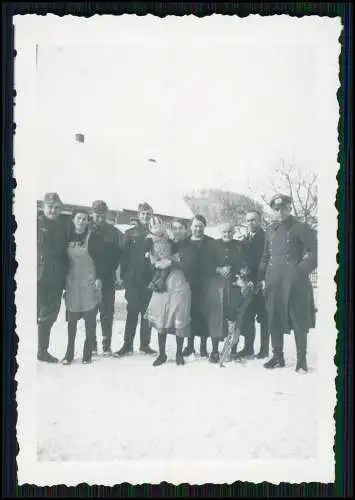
x,y
126,409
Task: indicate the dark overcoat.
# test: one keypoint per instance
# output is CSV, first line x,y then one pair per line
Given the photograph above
x,y
52,258
136,270
290,256
203,256
223,298
52,266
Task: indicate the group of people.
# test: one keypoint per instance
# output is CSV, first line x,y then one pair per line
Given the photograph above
x,y
186,284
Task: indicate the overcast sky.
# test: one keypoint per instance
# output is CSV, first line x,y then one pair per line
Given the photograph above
x,y
216,106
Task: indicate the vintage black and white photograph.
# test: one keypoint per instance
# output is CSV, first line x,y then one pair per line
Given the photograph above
x,y
176,242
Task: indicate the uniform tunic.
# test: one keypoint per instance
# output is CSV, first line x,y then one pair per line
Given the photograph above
x,y
107,242
107,239
136,270
223,299
290,256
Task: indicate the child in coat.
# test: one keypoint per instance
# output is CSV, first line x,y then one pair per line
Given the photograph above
x,y
159,252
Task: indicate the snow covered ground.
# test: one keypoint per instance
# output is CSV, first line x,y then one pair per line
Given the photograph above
x,y
123,409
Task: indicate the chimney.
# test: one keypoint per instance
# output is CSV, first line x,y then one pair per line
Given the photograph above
x,y
80,138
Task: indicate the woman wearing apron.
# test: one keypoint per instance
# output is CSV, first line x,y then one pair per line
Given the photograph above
x,y
83,288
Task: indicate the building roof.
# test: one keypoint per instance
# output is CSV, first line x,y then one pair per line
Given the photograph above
x,y
68,209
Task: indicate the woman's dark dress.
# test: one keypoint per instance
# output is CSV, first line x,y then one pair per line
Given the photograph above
x,y
201,268
224,298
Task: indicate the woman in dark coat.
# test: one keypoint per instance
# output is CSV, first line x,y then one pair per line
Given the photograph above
x,y
201,274
224,297
83,290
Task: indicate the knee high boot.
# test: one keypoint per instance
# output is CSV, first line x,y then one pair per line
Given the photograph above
x,y
179,357
277,360
44,331
214,358
203,347
190,348
161,359
301,347
90,327
69,355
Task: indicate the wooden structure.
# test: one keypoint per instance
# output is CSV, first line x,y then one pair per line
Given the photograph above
x,y
123,217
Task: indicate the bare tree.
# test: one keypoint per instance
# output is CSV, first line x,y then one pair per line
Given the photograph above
x,y
300,186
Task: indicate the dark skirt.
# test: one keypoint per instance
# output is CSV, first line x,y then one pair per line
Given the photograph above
x,y
223,300
199,325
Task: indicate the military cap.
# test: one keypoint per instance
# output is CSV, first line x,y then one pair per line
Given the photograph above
x,y
280,200
144,207
50,198
99,207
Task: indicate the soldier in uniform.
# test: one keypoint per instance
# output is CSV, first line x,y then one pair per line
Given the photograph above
x,y
137,273
52,266
290,256
108,239
253,248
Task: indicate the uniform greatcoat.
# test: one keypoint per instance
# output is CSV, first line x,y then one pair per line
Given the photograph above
x,y
52,266
290,256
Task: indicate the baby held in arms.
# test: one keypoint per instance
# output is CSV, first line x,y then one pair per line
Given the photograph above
x,y
159,252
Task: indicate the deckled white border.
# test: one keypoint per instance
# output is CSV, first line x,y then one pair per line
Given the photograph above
x,y
102,30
